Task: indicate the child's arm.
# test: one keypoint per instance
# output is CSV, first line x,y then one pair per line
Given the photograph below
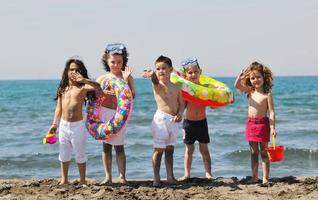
x,y
238,81
182,105
148,73
89,84
57,116
129,79
272,117
131,84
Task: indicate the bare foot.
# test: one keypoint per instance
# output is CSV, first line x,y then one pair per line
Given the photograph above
x,y
253,181
266,184
122,180
64,182
184,178
81,186
106,181
172,181
156,183
208,176
83,183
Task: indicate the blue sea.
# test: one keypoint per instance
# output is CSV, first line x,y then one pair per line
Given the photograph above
x,y
27,108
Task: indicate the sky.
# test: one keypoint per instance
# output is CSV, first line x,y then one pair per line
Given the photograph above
x,y
37,37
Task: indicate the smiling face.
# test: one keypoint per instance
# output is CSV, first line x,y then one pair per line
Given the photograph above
x,y
192,73
115,63
163,71
256,79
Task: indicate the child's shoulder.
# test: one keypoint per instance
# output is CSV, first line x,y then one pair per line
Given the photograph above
x,y
103,76
175,88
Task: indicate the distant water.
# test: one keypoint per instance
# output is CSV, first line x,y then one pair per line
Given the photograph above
x,y
26,112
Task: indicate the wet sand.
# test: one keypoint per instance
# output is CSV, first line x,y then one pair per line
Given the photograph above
x,y
195,188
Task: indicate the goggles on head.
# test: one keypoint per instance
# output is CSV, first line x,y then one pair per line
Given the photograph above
x,y
189,61
114,48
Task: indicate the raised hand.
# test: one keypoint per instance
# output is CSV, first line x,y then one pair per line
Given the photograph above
x,y
77,77
147,73
245,72
127,72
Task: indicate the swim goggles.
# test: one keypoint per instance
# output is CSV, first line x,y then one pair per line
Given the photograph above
x,y
190,61
115,48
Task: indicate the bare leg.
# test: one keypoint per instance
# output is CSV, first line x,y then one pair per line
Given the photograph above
x,y
82,172
64,172
254,160
121,162
188,153
156,161
204,150
107,162
169,164
265,162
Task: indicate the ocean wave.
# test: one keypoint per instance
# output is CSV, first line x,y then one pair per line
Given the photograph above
x,y
289,154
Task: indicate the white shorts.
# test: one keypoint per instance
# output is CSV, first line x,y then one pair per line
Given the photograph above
x,y
107,114
72,136
164,130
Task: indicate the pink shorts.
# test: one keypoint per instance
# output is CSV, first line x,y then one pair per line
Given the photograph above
x,y
257,129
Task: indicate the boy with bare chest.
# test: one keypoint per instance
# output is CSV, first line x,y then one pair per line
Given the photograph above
x,y
170,107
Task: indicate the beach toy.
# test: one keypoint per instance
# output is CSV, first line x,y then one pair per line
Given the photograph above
x,y
49,138
275,153
105,130
209,92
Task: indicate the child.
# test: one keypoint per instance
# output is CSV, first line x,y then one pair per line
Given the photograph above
x,y
170,108
115,60
195,124
72,91
256,82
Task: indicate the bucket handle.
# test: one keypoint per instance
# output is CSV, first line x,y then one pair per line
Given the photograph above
x,y
274,141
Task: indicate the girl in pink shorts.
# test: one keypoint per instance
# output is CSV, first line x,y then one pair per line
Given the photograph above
x,y
256,82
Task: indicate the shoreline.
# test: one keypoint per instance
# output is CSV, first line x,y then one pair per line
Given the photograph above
x,y
288,187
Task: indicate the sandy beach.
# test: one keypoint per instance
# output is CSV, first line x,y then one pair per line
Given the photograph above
x,y
195,188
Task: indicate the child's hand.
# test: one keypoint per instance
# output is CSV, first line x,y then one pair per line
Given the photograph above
x,y
147,73
127,72
53,128
177,118
274,133
109,92
245,72
77,77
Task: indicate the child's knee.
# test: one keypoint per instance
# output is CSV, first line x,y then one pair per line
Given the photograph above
x,y
81,158
107,148
189,149
254,152
169,150
264,156
120,149
158,151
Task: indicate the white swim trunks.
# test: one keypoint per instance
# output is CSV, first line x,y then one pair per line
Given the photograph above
x,y
107,114
72,136
164,130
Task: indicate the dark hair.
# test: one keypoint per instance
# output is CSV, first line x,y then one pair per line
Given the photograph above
x,y
106,55
266,73
165,60
64,81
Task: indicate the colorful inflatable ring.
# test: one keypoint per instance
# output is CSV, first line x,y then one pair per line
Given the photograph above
x,y
105,130
209,92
